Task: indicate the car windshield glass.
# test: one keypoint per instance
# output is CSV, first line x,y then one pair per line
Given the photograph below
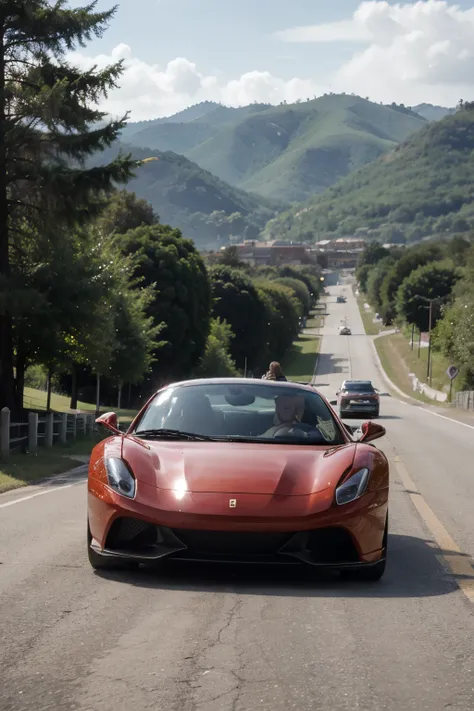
x,y
359,387
260,412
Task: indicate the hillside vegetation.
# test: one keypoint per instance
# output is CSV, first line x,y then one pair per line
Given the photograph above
x,y
189,114
423,187
286,152
185,196
433,113
187,128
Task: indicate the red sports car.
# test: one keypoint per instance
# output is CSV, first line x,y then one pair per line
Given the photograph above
x,y
239,470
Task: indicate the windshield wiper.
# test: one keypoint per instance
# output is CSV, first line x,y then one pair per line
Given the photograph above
x,y
172,434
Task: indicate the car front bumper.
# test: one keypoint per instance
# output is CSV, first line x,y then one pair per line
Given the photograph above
x,y
339,537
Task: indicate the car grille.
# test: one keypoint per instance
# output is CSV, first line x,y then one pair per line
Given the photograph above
x,y
325,546
215,543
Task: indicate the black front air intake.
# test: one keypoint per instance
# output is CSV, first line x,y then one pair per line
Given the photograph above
x,y
225,543
331,546
130,534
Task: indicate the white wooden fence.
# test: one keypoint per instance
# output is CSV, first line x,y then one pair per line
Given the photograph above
x,y
465,400
51,428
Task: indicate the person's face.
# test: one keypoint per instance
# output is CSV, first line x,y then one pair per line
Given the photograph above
x,y
286,409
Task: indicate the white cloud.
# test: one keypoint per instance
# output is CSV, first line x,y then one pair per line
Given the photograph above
x,y
265,88
343,31
413,52
148,91
145,89
420,51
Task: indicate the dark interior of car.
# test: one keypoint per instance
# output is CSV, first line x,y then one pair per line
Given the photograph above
x,y
238,415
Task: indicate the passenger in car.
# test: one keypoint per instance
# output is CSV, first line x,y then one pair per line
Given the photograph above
x,y
274,372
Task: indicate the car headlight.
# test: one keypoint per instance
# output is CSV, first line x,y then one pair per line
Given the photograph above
x,y
353,488
120,478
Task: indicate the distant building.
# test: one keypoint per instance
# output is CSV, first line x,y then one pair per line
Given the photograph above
x,y
273,254
339,253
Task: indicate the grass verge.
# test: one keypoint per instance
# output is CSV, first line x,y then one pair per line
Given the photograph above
x,y
36,400
316,321
371,328
23,469
398,360
300,361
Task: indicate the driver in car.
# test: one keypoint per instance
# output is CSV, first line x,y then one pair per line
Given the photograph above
x,y
289,412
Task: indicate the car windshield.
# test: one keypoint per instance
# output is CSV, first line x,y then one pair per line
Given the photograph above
x,y
359,387
259,412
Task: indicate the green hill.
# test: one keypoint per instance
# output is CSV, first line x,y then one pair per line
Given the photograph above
x,y
189,114
431,112
186,196
286,152
421,188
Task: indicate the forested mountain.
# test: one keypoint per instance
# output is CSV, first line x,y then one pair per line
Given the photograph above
x,y
184,195
422,187
287,152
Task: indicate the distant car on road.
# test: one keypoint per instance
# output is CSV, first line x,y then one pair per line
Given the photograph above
x,y
345,331
358,397
232,470
341,299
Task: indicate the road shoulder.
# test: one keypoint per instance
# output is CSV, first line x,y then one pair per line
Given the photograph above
x,y
450,413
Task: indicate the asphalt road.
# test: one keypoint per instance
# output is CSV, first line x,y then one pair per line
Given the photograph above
x,y
224,639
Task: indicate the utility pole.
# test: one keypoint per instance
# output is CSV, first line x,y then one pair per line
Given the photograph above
x,y
428,373
430,326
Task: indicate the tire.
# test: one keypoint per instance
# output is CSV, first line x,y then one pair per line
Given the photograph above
x,y
375,415
101,562
374,573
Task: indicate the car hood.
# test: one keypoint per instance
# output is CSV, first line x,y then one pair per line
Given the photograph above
x,y
225,467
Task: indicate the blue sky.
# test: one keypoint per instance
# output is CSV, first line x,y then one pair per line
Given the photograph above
x,y
249,50
224,35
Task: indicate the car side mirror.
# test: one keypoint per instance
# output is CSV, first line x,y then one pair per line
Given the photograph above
x,y
109,420
370,431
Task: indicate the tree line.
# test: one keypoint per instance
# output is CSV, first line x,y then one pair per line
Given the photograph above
x,y
137,305
92,284
402,283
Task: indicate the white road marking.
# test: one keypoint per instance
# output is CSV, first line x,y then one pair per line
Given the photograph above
x,y
40,493
450,419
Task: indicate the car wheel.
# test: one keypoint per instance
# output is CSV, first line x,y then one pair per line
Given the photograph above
x,y
375,415
100,562
375,572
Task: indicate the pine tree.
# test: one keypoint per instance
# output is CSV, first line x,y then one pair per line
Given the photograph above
x,y
49,126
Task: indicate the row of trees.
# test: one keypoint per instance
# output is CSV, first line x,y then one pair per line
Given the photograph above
x,y
263,306
49,125
92,286
175,316
402,283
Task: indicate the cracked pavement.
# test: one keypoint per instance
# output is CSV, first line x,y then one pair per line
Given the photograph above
x,y
207,638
